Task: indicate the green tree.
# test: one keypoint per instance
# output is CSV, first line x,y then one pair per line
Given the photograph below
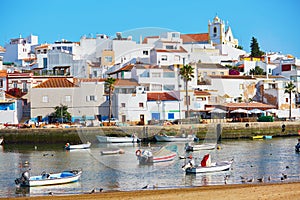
x,y
187,73
110,85
289,89
257,71
255,51
61,112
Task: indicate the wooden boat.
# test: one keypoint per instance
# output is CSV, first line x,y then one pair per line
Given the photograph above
x,y
258,137
63,177
68,146
198,147
166,138
164,154
107,139
268,137
214,167
112,151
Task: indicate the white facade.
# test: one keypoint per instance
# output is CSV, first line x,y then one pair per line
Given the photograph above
x,y
20,49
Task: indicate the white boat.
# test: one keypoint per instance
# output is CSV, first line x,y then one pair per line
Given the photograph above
x,y
68,146
48,178
107,139
166,138
164,154
198,147
214,167
112,151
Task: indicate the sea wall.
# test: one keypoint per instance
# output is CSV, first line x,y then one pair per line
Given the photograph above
x,y
77,135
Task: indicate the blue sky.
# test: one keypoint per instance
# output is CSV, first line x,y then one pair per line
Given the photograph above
x,y
275,24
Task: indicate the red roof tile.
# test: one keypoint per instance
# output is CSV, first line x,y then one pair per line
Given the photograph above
x,y
56,83
197,37
162,96
126,82
203,93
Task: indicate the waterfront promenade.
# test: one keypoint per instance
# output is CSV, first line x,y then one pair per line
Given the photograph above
x,y
240,130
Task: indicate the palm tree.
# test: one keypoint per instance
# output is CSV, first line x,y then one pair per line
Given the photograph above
x,y
187,73
290,88
109,83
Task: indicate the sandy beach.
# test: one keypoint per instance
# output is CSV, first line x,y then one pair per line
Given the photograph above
x,y
226,192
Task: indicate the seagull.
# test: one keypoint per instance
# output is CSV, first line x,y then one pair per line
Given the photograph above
x,y
260,179
155,186
93,191
269,178
287,167
50,193
146,186
250,180
101,190
284,176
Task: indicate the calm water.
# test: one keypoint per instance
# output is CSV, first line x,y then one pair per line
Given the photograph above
x,y
252,159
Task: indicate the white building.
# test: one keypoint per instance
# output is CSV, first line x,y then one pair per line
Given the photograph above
x,y
21,50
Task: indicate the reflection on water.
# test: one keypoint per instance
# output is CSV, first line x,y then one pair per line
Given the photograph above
x,y
252,160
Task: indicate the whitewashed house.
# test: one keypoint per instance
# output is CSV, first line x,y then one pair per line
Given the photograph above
x,y
10,109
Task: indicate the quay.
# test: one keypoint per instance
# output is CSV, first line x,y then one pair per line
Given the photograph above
x,y
75,135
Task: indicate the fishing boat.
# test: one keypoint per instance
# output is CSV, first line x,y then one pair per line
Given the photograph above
x,y
214,167
107,139
198,147
63,177
68,146
112,151
258,137
163,154
166,138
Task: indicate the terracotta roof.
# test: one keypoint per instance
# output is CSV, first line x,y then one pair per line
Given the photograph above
x,y
162,96
56,83
194,38
145,40
247,106
125,68
3,73
93,80
126,82
181,50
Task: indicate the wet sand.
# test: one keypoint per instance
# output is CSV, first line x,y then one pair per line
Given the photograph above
x,y
225,192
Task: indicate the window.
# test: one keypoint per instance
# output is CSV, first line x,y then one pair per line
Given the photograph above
x,y
156,87
68,98
108,58
45,99
1,83
286,100
164,57
241,86
169,47
44,63
91,98
171,116
145,53
175,35
169,74
215,32
141,105
169,87
222,73
15,84
156,75
213,73
24,86
123,105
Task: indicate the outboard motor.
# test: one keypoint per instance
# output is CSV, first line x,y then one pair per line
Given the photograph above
x,y
24,179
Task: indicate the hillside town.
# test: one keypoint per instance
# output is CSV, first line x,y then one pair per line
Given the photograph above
x,y
36,78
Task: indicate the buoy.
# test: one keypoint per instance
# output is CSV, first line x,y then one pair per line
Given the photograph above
x,y
218,147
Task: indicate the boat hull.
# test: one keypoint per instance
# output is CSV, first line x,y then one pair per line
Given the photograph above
x,y
78,146
53,179
216,167
105,139
199,147
164,138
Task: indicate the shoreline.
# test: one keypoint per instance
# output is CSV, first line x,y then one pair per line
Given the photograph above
x,y
287,190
